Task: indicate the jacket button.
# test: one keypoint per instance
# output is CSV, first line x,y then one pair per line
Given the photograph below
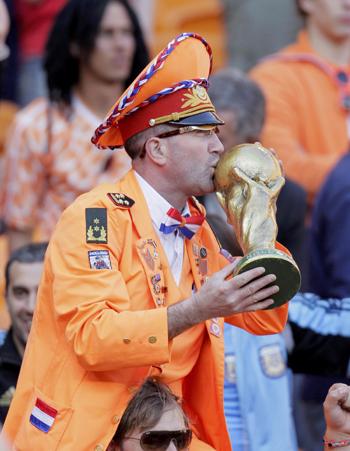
x,y
99,448
115,419
126,340
152,339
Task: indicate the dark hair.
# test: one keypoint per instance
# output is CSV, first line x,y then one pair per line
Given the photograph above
x,y
30,253
232,90
146,408
78,23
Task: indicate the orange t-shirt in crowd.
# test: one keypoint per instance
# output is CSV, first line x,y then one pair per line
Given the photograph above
x,y
46,171
306,123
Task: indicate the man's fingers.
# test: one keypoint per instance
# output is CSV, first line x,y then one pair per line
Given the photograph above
x,y
259,305
243,279
337,394
253,281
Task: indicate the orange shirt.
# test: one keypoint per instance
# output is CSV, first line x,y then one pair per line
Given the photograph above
x,y
42,179
306,122
97,333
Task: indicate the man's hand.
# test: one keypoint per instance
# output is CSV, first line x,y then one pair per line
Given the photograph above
x,y
337,413
222,296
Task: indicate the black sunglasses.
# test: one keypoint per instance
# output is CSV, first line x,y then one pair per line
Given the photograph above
x,y
160,440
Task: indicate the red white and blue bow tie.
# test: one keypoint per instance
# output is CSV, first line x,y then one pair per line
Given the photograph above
x,y
187,225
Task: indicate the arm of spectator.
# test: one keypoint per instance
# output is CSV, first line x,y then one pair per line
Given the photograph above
x,y
25,175
337,415
283,128
320,335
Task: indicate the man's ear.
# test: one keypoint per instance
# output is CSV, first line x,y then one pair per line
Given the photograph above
x,y
156,150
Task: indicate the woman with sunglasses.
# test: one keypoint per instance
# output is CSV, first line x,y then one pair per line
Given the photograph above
x,y
153,420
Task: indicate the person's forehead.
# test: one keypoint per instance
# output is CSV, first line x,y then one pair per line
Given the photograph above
x,y
172,419
115,15
25,273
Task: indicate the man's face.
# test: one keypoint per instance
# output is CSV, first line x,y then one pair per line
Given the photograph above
x,y
192,158
171,420
331,17
21,294
111,59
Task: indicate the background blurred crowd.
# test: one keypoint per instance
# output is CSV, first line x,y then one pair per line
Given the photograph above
x,y
60,72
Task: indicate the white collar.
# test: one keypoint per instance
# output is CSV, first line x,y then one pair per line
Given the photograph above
x,y
157,205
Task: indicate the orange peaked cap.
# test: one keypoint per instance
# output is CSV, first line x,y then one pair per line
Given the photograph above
x,y
172,86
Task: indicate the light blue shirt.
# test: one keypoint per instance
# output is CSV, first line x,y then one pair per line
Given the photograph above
x,y
257,394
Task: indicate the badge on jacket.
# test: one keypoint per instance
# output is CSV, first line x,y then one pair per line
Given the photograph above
x,y
121,200
99,259
42,416
96,225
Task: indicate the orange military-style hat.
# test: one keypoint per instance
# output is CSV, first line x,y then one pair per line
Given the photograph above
x,y
171,89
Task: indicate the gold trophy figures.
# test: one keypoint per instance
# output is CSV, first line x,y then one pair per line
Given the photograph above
x,y
248,179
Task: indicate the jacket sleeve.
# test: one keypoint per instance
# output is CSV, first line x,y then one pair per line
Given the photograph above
x,y
320,335
94,308
262,322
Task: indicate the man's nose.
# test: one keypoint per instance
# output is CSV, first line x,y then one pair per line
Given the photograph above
x,y
172,446
216,146
32,300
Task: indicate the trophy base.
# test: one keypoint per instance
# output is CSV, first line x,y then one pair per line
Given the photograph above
x,y
278,263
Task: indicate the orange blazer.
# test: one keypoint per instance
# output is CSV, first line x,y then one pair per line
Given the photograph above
x,y
97,333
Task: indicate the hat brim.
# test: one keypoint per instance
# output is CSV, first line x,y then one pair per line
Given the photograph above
x,y
206,118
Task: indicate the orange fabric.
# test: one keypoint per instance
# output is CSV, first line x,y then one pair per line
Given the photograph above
x,y
185,347
173,17
41,183
7,114
305,123
97,333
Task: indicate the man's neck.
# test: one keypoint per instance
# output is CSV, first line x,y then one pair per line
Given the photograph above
x,y
97,95
18,343
176,199
334,51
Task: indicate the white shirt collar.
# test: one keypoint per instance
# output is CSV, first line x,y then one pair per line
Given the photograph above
x,y
157,205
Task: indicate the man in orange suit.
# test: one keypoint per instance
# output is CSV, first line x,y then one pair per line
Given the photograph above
x,y
307,88
134,283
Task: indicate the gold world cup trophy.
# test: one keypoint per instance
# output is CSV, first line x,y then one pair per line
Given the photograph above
x,y
248,179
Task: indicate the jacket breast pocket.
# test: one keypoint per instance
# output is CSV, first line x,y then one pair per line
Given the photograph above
x,y
43,425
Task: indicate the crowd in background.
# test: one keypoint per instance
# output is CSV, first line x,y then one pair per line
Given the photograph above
x,y
61,73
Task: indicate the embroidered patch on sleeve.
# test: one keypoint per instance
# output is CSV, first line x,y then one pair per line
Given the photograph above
x,y
42,416
121,200
96,225
99,259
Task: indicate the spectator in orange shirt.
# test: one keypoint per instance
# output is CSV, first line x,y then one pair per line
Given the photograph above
x,y
95,49
307,86
132,287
